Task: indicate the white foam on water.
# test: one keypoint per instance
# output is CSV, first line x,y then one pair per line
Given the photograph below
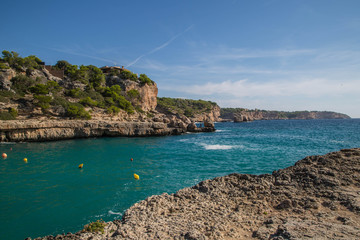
x,y
217,147
114,213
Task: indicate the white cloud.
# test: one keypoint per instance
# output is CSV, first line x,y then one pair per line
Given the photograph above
x,y
289,88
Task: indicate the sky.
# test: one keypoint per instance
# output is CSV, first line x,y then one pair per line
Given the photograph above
x,y
287,55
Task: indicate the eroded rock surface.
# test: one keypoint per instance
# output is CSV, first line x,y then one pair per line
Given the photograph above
x,y
317,198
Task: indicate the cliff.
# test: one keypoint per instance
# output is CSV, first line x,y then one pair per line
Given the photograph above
x,y
243,115
317,198
35,130
65,95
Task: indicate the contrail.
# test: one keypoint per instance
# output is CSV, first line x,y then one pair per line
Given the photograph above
x,y
159,47
83,55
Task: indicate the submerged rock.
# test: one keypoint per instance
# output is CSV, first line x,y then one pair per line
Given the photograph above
x,y
317,198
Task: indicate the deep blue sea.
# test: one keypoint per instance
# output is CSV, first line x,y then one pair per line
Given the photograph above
x,y
50,195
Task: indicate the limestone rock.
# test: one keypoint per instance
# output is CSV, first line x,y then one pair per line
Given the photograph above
x,y
5,76
291,203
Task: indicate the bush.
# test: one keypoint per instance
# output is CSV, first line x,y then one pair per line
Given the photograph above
x,y
15,61
185,106
62,64
97,226
4,66
11,114
76,93
77,111
113,110
6,95
42,101
39,89
128,75
21,84
145,79
125,104
88,102
60,101
133,94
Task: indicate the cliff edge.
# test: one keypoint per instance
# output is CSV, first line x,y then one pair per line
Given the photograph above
x,y
85,101
317,198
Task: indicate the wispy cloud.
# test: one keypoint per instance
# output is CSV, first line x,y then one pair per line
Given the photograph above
x,y
159,47
300,87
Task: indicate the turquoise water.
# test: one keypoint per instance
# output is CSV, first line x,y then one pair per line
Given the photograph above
x,y
51,195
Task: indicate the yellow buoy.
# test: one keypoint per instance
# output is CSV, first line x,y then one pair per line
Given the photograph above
x,y
4,155
136,176
81,165
25,159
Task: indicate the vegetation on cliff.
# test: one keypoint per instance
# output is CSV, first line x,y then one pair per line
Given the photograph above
x,y
75,95
256,114
188,107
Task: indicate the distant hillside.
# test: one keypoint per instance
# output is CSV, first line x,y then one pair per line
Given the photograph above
x,y
193,109
242,114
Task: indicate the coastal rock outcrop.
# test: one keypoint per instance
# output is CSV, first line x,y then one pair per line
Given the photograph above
x,y
5,76
317,198
35,130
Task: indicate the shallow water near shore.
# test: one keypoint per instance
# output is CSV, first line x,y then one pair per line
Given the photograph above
x,y
50,195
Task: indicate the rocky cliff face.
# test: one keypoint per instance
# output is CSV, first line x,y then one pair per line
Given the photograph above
x,y
317,198
106,98
5,76
213,115
19,131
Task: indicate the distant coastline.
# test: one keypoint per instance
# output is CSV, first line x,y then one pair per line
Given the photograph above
x,y
245,115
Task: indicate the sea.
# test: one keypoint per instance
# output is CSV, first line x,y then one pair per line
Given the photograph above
x,y
49,194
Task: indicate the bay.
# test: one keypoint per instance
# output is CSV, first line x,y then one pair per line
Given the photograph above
x,y
50,195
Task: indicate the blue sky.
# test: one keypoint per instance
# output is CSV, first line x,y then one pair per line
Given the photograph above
x,y
275,55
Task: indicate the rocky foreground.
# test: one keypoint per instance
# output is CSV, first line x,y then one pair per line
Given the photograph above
x,y
317,198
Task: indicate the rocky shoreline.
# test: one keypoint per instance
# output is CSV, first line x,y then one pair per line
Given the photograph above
x,y
317,198
50,130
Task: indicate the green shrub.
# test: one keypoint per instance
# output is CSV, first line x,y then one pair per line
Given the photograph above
x,y
6,116
15,61
128,75
185,106
76,93
77,111
39,89
97,226
125,104
133,94
21,84
113,110
42,101
61,64
60,101
145,79
13,112
6,95
3,66
53,87
88,102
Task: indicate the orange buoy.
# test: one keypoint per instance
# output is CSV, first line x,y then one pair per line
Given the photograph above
x,y
4,155
81,165
136,176
131,159
25,160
